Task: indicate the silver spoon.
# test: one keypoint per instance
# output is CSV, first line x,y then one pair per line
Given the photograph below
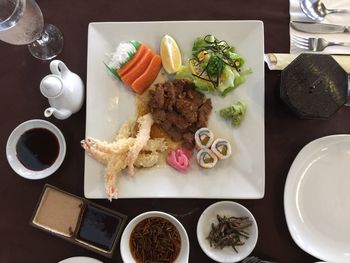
x,y
317,11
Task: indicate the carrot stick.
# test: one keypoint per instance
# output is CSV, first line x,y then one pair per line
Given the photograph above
x,y
130,64
141,65
146,79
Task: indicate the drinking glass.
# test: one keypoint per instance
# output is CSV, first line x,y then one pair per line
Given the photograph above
x,y
21,22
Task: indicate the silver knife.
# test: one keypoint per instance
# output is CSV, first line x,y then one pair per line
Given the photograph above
x,y
317,28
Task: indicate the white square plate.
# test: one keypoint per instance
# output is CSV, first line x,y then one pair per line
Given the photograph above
x,y
109,104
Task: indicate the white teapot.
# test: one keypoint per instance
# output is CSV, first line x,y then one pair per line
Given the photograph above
x,y
64,89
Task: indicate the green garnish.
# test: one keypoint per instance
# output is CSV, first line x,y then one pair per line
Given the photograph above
x,y
214,66
114,72
136,44
235,112
211,55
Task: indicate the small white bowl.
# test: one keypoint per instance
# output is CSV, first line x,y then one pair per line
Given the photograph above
x,y
227,254
11,153
124,242
80,260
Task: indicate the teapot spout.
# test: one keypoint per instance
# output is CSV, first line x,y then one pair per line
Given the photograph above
x,y
49,111
59,114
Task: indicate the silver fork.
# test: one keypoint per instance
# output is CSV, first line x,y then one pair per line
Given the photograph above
x,y
315,44
254,260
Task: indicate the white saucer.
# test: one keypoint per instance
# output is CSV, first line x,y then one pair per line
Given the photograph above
x,y
80,260
209,216
11,154
317,199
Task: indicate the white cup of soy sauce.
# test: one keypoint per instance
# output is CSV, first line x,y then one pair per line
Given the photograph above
x,y
35,149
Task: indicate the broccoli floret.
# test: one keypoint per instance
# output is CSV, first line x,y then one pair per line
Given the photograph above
x,y
235,112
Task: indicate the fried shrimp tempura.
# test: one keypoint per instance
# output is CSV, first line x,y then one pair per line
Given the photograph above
x,y
125,131
125,151
145,123
114,167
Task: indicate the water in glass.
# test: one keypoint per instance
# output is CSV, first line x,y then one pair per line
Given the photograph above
x,y
21,21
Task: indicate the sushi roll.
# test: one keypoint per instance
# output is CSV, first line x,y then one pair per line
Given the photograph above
x,y
221,148
135,65
206,158
203,138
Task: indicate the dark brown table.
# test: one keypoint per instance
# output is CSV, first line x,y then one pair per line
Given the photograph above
x,y
20,100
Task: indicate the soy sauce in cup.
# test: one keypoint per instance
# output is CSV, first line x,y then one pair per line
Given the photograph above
x,y
37,149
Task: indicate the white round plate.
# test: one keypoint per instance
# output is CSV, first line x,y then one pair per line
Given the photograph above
x,y
124,242
317,198
80,260
209,216
11,154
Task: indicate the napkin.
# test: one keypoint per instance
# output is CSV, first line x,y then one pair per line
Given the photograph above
x,y
296,14
278,61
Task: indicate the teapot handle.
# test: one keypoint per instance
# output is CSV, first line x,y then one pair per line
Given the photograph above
x,y
57,67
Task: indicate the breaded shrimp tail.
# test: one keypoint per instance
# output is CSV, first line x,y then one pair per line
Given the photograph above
x,y
145,123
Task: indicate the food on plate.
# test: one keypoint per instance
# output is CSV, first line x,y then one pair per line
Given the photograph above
x,y
127,150
229,232
143,135
131,74
221,148
123,54
170,54
135,65
214,66
203,138
210,149
179,159
235,113
155,239
206,158
150,74
179,110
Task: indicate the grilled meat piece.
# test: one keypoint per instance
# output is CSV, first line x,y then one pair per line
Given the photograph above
x,y
179,109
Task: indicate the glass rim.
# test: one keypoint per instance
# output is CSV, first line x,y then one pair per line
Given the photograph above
x,y
12,19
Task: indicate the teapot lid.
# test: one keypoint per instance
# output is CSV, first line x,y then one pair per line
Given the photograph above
x,y
51,86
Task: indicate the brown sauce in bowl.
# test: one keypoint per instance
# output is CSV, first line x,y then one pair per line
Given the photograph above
x,y
37,149
155,239
99,228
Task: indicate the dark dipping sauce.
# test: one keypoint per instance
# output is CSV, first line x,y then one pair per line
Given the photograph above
x,y
98,228
155,239
37,149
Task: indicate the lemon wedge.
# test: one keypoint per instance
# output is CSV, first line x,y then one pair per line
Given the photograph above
x,y
170,54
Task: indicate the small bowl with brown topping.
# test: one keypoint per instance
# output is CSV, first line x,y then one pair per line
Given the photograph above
x,y
154,237
227,232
